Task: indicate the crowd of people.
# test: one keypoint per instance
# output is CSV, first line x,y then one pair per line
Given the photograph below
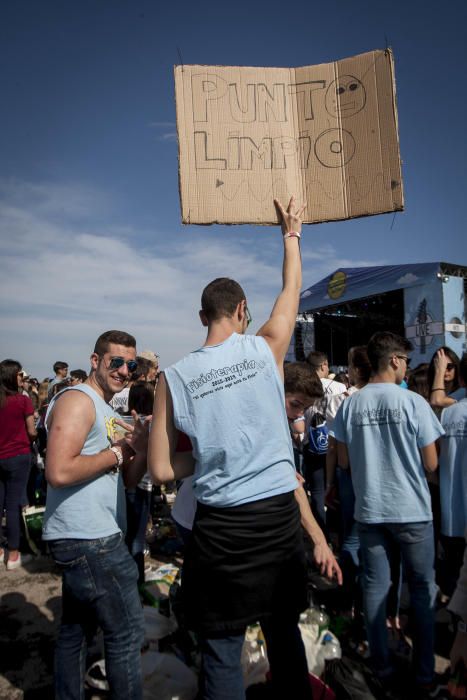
x,y
263,452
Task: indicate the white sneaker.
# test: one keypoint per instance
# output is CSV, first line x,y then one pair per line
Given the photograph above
x,y
13,564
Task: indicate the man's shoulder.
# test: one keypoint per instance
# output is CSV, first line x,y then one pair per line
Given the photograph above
x,y
458,411
332,387
69,398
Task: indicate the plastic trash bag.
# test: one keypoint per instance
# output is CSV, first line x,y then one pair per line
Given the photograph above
x,y
165,677
311,642
157,626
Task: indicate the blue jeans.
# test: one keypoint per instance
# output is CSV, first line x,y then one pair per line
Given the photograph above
x,y
222,678
14,474
99,589
314,472
415,542
349,531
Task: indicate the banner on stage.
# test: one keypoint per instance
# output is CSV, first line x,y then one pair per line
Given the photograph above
x,y
326,133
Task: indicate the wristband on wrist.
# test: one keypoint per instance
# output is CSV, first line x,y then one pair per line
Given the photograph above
x,y
461,626
119,457
292,234
438,389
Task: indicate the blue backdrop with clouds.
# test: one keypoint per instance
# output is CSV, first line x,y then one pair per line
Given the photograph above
x,y
89,211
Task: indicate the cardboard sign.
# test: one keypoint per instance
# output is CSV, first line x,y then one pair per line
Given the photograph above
x,y
326,133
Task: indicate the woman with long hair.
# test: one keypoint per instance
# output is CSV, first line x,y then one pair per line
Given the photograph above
x,y
443,378
17,430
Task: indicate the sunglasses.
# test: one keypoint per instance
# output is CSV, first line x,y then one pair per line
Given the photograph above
x,y
247,316
117,362
404,357
450,366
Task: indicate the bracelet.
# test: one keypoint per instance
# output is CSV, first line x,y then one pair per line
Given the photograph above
x,y
438,389
292,234
118,454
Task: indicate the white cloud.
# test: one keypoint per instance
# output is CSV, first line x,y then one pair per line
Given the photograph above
x,y
61,285
65,279
165,135
168,136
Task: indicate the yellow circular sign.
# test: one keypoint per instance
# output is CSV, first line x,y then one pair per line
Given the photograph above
x,y
336,286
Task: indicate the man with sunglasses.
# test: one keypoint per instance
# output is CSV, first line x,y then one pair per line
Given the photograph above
x,y
85,522
246,559
387,437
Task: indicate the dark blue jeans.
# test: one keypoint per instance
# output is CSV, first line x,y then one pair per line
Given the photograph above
x,y
415,542
314,473
14,473
222,679
99,589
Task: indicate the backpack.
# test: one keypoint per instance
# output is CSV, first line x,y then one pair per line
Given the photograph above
x,y
318,434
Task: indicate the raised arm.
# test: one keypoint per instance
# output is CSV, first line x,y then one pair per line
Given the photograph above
x,y
278,330
163,465
438,396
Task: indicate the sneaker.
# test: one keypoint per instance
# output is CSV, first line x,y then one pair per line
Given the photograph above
x,y
17,563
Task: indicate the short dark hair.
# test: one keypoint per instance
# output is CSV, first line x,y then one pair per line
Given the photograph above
x,y
358,358
316,358
60,386
115,337
141,398
78,374
383,345
418,381
463,368
60,365
9,370
142,369
300,378
220,298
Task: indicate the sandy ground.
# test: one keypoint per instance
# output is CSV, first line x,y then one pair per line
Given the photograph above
x,y
29,617
29,612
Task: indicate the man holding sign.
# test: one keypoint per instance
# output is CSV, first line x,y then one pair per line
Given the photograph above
x,y
247,561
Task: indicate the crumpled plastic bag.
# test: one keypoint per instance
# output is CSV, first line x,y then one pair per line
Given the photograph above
x,y
311,642
157,626
165,677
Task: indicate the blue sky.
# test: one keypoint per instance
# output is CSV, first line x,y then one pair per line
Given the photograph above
x,y
90,221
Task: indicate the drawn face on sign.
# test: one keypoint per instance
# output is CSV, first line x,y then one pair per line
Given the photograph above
x,y
345,96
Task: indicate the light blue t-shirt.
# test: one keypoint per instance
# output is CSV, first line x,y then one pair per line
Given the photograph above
x,y
229,400
384,429
453,470
94,508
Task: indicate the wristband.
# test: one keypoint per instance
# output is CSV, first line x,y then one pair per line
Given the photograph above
x,y
118,454
461,626
292,234
438,389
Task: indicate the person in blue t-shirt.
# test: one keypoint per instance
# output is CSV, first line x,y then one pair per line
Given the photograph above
x,y
246,559
388,437
453,485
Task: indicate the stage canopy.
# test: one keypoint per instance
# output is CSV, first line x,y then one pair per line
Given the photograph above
x,y
423,301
